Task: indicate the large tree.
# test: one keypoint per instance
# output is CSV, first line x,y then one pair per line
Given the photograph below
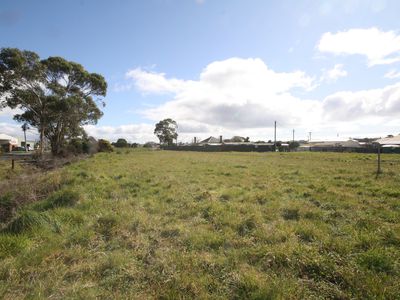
x,y
166,131
55,95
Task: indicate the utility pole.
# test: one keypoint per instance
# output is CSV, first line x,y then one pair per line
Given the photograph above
x,y
25,127
275,136
293,135
310,136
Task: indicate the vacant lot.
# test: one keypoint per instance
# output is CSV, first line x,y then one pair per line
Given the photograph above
x,y
153,224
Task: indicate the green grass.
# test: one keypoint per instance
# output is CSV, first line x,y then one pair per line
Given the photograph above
x,y
171,225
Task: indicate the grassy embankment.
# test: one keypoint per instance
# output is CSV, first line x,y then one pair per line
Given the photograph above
x,y
143,224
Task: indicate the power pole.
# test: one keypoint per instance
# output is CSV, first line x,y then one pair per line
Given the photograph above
x,y
275,136
310,136
25,127
293,135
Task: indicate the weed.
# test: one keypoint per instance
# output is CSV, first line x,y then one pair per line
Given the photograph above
x,y
291,214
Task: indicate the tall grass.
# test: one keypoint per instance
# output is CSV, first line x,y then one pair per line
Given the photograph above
x,y
171,225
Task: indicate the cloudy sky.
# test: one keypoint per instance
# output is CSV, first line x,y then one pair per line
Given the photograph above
x,y
224,67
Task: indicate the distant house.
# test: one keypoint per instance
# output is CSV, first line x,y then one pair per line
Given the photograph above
x,y
151,145
29,144
7,142
390,141
211,140
334,146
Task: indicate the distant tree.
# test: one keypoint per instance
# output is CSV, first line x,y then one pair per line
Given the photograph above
x,y
294,145
238,139
150,145
247,140
134,145
55,95
166,131
121,143
105,146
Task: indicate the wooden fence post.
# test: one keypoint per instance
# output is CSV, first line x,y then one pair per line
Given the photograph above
x,y
379,159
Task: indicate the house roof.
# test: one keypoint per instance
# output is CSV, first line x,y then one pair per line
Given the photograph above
x,y
389,140
349,143
210,140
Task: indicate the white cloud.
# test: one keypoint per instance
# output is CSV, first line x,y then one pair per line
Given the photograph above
x,y
147,81
132,132
8,112
379,104
15,130
234,93
244,97
334,74
392,74
380,47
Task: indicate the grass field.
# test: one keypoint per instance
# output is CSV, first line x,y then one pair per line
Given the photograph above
x,y
170,225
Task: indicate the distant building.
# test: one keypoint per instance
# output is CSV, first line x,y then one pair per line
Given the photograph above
x,y
211,140
7,142
390,141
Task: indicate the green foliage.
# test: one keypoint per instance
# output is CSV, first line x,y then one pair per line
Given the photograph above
x,y
166,131
121,143
55,95
105,146
294,145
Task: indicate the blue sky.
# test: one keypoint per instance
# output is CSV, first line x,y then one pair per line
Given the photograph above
x,y
226,67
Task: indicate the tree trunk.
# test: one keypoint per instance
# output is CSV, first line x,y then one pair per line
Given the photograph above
x,y
41,140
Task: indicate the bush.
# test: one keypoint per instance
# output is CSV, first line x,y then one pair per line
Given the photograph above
x,y
105,146
121,143
75,146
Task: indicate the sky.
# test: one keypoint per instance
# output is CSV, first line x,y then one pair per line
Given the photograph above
x,y
224,67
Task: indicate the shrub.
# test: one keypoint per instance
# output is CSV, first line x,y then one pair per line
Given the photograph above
x,y
121,143
105,146
75,146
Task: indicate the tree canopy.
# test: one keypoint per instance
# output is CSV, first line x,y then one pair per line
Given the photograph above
x,y
121,143
166,131
55,96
